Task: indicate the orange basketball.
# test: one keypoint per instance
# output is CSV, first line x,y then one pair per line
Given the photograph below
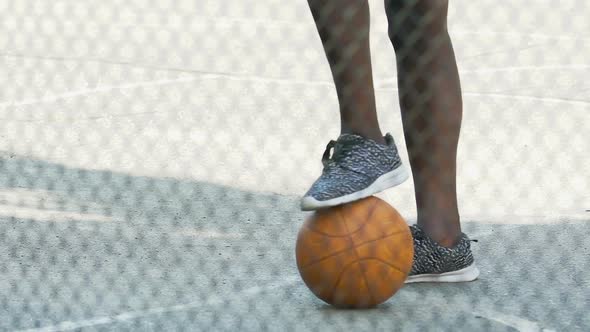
x,y
355,255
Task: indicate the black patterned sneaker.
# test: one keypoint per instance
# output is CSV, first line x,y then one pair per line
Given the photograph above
x,y
359,167
435,263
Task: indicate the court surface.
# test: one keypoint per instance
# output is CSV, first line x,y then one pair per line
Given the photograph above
x,y
153,152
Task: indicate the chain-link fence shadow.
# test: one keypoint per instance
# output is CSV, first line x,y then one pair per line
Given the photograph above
x,y
153,155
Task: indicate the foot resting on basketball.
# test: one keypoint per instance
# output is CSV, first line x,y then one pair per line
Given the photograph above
x,y
359,167
435,263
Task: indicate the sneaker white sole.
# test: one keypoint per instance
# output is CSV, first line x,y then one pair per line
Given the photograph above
x,y
469,273
385,181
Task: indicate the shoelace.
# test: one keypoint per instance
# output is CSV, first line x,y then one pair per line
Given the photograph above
x,y
343,151
326,157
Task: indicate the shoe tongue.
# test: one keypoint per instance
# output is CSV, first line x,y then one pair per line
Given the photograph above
x,y
345,142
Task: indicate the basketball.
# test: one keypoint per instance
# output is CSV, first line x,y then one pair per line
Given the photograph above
x,y
355,255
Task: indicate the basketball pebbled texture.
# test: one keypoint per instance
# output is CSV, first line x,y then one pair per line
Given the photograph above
x,y
355,255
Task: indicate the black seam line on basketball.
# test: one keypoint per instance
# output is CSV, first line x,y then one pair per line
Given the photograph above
x,y
349,248
384,262
358,230
372,258
371,296
370,214
345,267
373,208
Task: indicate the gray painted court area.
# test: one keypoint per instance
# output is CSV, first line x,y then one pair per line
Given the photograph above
x,y
152,154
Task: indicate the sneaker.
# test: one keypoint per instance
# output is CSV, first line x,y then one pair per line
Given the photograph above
x,y
358,168
435,263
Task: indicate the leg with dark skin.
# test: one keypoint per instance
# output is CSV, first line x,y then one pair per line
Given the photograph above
x,y
343,27
431,104
430,95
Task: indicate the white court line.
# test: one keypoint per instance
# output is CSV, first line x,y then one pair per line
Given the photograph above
x,y
113,62
585,103
230,76
517,34
309,22
518,323
207,234
83,92
386,81
49,215
379,85
214,300
253,78
103,89
548,67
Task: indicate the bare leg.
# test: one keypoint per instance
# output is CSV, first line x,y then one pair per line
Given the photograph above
x,y
430,99
343,27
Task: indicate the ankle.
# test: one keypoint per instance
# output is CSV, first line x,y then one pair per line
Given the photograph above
x,y
443,235
374,134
